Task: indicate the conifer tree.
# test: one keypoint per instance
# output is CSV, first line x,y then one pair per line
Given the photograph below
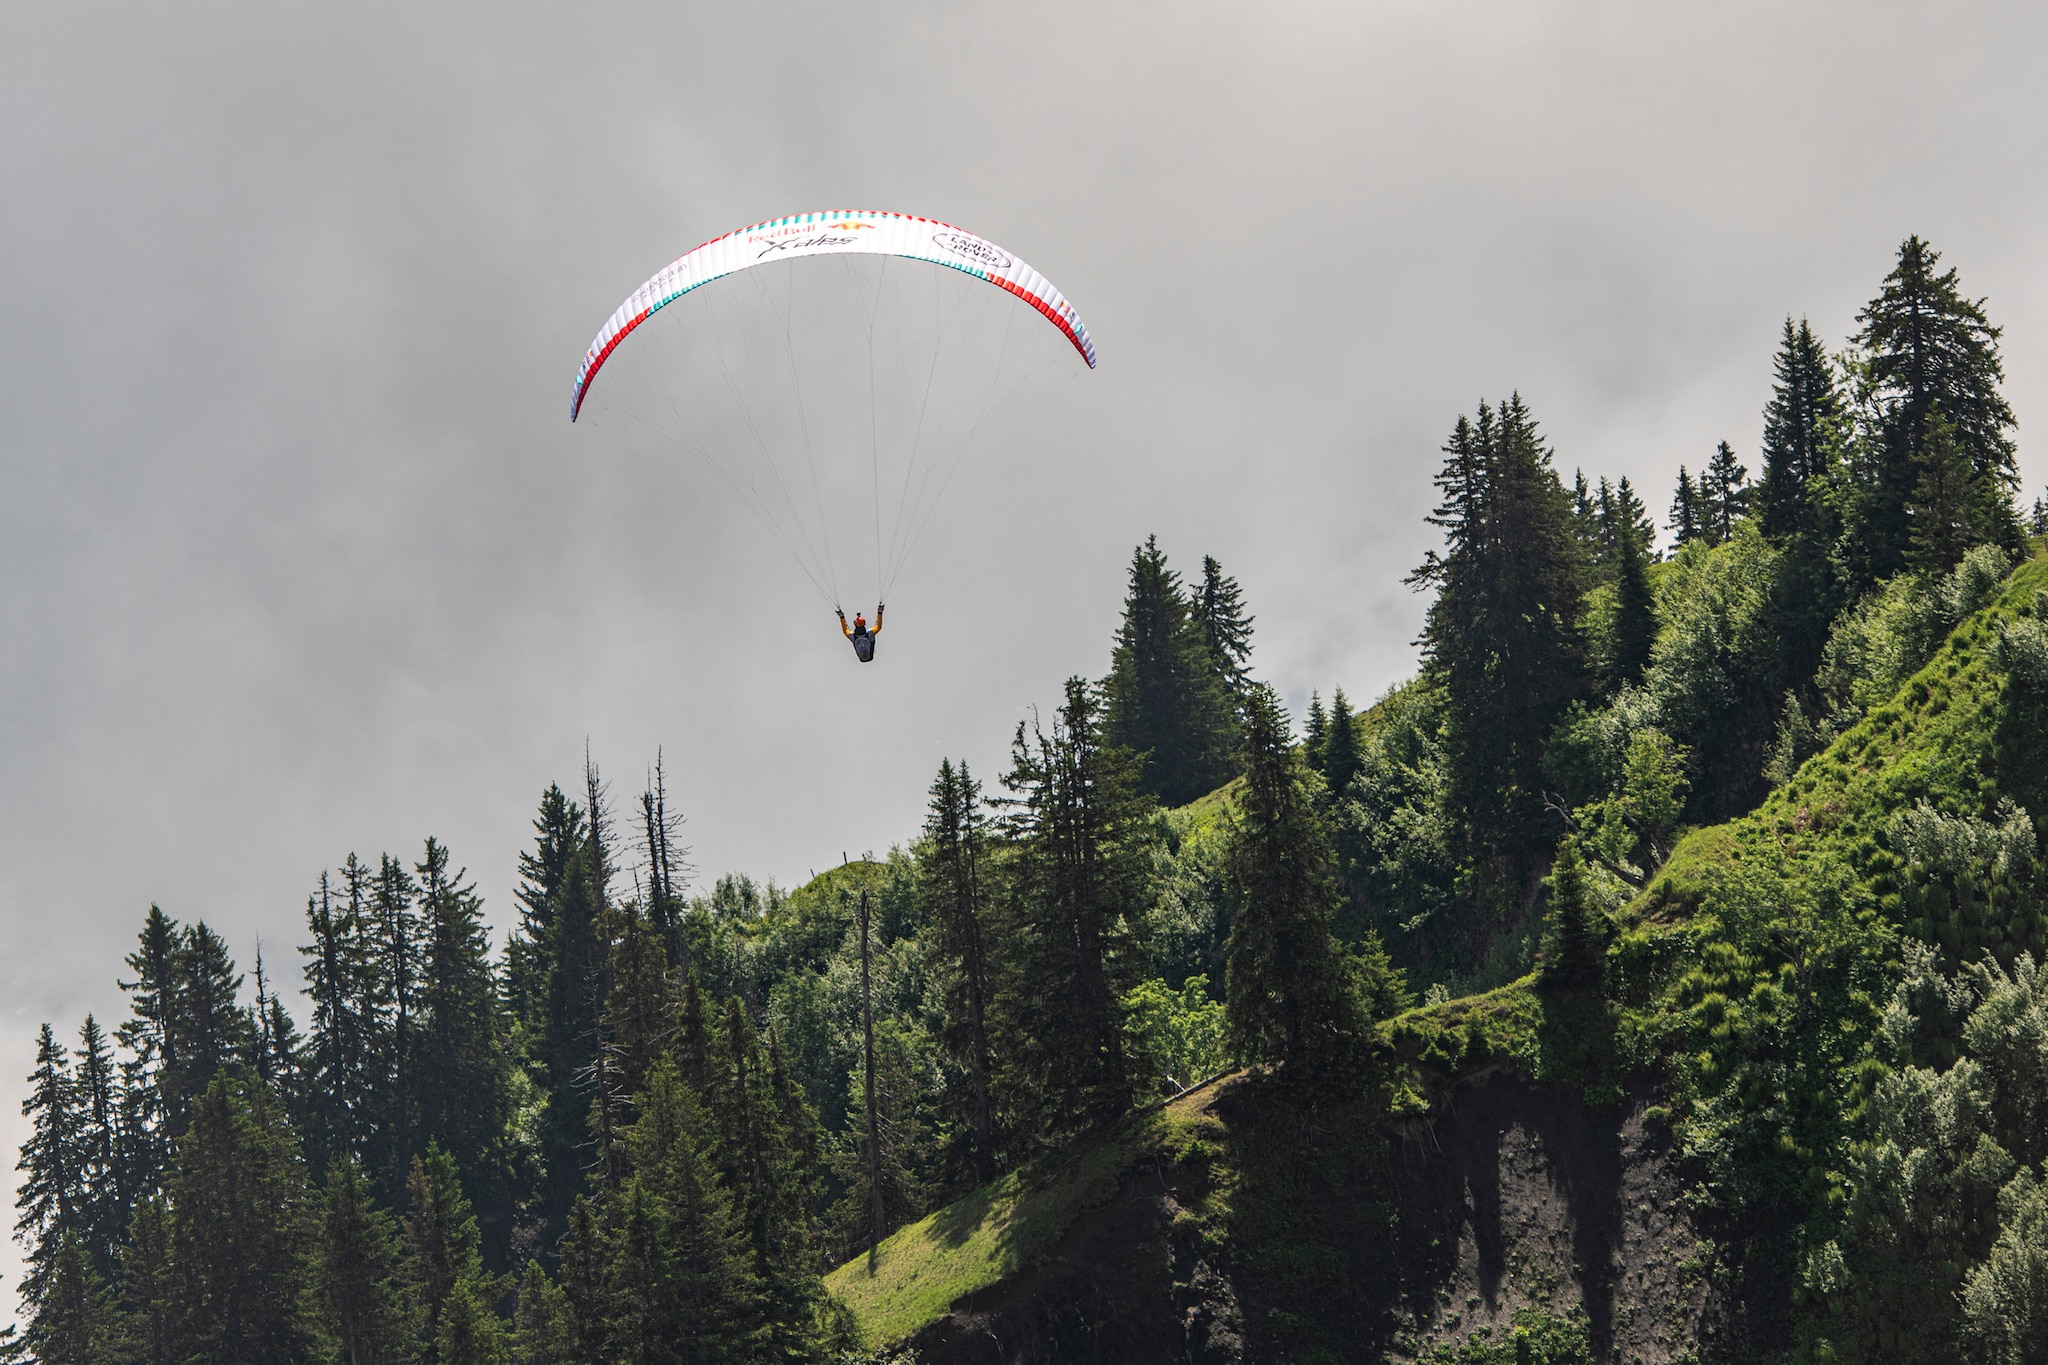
x,y
337,969
368,1313
1226,628
50,1203
1949,510
541,1330
640,1014
1635,607
441,1235
1925,345
1164,697
212,1031
1340,747
469,1333
1686,517
1501,639
544,873
1723,493
149,1290
953,888
1315,732
399,953
1573,956
666,867
1076,815
461,1067
584,1295
103,1214
78,1321
236,1250
1799,425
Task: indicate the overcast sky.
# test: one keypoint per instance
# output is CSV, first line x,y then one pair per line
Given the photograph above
x,y
299,554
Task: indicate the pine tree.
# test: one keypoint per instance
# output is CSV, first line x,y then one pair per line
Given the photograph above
x,y
542,1333
1635,606
1164,698
1924,346
1076,815
1315,733
337,966
1949,510
441,1234
584,1297
78,1321
469,1333
1226,629
149,1289
1685,520
1573,955
1799,431
559,831
1340,748
465,1102
368,1313
238,1209
1290,998
104,1202
212,1033
952,886
50,1204
147,1036
1500,639
397,954
1724,495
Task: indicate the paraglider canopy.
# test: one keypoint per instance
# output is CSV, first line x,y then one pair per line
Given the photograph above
x,y
846,232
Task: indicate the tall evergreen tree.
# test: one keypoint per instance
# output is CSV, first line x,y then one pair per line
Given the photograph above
x,y
1724,494
1800,424
441,1234
1686,516
1628,567
468,1332
1226,627
397,956
340,1056
78,1321
1500,639
1164,697
368,1312
666,868
236,1250
152,1048
1925,345
1076,815
1290,997
953,885
1952,506
50,1202
1573,956
559,831
1315,732
211,1030
464,1095
1340,757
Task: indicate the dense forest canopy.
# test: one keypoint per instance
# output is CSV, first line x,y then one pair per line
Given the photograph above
x,y
645,1125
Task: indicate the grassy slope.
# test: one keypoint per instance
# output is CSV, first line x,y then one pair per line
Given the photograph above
x,y
1948,732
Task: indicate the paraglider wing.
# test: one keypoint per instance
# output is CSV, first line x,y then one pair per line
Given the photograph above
x,y
860,232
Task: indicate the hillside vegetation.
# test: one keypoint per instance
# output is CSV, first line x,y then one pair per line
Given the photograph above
x,y
1653,976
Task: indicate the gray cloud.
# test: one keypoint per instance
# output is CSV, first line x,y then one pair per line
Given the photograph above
x,y
298,554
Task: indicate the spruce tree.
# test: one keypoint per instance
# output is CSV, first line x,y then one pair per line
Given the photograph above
x,y
152,1048
558,832
1635,607
149,1296
1685,523
1289,997
105,1200
1340,747
78,1321
398,952
469,1333
1925,345
640,1013
1315,732
952,886
1573,956
666,868
1724,494
1800,422
581,1285
542,1333
50,1203
368,1312
238,1223
441,1235
211,1030
1164,698
461,1074
337,969
1226,628
1077,817
1501,639
1949,510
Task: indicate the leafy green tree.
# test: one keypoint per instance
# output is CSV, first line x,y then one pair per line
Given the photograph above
x,y
1500,640
1164,698
1077,818
953,887
1180,1036
368,1312
1926,346
2005,1299
1630,831
238,1254
1289,996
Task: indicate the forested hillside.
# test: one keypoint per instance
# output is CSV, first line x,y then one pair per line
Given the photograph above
x,y
1654,976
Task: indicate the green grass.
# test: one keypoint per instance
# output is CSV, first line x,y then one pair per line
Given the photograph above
x,y
973,1243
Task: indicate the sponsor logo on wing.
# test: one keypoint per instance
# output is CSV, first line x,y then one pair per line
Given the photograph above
x,y
973,248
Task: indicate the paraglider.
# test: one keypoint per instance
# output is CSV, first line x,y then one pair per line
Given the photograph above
x,y
763,386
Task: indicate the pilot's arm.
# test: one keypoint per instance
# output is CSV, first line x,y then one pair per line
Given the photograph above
x,y
847,630
876,629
